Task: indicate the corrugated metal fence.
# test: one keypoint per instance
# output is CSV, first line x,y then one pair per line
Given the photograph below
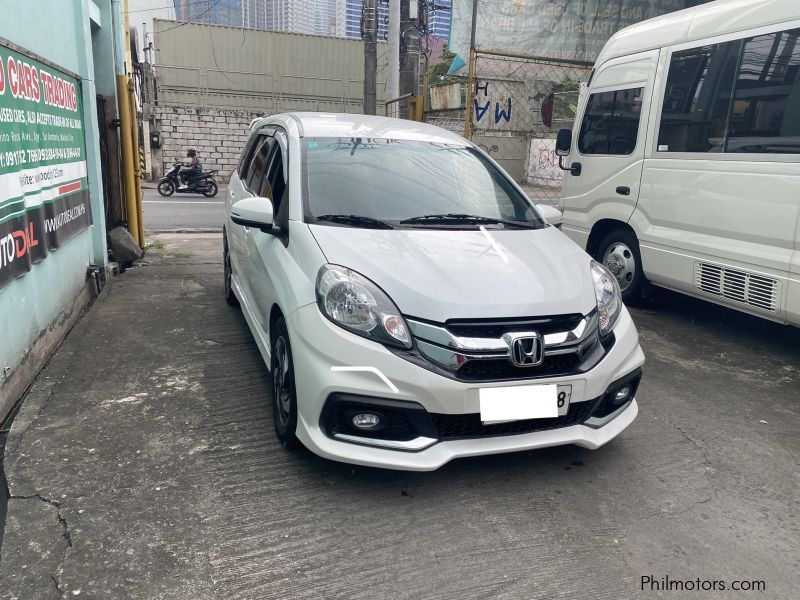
x,y
224,67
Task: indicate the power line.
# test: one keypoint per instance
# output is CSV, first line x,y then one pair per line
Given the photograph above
x,y
206,11
172,6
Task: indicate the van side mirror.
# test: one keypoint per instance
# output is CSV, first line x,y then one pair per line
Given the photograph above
x,y
253,212
563,142
563,148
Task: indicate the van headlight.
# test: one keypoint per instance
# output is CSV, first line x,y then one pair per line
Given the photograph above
x,y
608,295
355,303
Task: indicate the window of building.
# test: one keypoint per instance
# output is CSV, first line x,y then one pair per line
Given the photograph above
x,y
611,122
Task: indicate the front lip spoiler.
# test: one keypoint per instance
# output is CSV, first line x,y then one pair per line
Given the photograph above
x,y
415,445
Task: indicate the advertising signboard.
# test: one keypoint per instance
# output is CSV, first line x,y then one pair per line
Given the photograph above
x,y
567,30
44,194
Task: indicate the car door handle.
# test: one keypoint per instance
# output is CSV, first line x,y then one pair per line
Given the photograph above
x,y
624,190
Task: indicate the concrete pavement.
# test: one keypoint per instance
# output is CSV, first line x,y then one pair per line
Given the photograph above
x,y
143,465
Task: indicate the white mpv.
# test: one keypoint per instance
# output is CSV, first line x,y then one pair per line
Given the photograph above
x,y
413,305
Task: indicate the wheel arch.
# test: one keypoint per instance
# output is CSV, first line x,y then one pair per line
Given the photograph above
x,y
601,229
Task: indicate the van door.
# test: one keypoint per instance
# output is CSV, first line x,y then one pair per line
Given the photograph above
x,y
608,145
718,212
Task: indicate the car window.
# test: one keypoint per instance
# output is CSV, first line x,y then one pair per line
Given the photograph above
x,y
258,165
697,98
247,156
611,122
396,180
765,109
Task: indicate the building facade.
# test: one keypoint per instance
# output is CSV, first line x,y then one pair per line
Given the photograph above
x,y
56,71
217,12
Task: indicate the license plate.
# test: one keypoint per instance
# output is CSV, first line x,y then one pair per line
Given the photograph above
x,y
519,402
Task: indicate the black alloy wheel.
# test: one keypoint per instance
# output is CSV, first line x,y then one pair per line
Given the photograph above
x,y
230,297
284,394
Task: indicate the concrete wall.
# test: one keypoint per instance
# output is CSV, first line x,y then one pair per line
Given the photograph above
x,y
37,308
218,135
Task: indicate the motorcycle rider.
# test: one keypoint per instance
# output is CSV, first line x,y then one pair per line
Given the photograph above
x,y
191,168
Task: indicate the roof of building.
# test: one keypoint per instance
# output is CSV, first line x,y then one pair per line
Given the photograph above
x,y
354,125
704,21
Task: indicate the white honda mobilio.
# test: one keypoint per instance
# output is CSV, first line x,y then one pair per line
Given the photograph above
x,y
411,302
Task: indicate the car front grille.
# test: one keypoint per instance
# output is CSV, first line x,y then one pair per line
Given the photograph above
x,y
454,427
477,351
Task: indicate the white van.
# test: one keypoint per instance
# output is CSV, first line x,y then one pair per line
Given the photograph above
x,y
684,165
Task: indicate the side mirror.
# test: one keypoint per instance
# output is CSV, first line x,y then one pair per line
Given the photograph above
x,y
563,142
563,148
551,214
253,212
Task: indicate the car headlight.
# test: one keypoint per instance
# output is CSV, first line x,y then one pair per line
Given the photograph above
x,y
609,297
355,303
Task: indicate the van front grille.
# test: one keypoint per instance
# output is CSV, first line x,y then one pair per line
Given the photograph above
x,y
738,286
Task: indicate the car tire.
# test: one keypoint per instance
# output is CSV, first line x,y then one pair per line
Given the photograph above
x,y
211,189
230,297
166,188
284,393
618,251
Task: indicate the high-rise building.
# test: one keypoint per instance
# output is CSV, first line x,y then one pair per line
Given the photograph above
x,y
439,18
222,12
348,15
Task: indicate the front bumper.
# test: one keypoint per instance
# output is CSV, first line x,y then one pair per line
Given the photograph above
x,y
324,354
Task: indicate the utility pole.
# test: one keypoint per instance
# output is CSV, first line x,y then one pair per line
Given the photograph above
x,y
393,78
409,49
471,72
369,33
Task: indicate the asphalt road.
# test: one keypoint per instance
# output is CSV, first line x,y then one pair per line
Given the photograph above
x,y
159,476
183,212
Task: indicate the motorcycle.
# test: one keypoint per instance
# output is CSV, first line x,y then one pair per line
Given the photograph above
x,y
199,184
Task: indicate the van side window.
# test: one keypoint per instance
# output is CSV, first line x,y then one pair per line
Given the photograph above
x,y
765,109
697,98
611,122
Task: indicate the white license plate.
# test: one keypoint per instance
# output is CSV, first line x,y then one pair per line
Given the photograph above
x,y
519,402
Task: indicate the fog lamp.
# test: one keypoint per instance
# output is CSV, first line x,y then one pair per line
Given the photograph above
x,y
622,394
367,421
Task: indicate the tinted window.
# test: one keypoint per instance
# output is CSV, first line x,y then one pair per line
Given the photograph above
x,y
247,155
611,122
765,111
394,180
258,165
697,98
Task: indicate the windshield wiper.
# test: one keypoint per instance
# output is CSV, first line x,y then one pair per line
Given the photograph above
x,y
456,218
356,221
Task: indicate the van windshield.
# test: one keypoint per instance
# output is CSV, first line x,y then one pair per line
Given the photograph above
x,y
388,183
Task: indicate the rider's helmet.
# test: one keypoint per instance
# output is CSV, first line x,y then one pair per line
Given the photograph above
x,y
191,152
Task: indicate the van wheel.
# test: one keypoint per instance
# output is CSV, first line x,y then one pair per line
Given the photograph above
x,y
618,251
284,394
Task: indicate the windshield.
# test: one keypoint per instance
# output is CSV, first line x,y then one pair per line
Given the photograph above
x,y
385,183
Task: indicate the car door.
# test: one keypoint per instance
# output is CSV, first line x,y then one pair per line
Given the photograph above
x,y
266,252
247,187
236,191
608,145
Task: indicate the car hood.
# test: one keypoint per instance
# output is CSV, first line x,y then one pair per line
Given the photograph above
x,y
456,274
